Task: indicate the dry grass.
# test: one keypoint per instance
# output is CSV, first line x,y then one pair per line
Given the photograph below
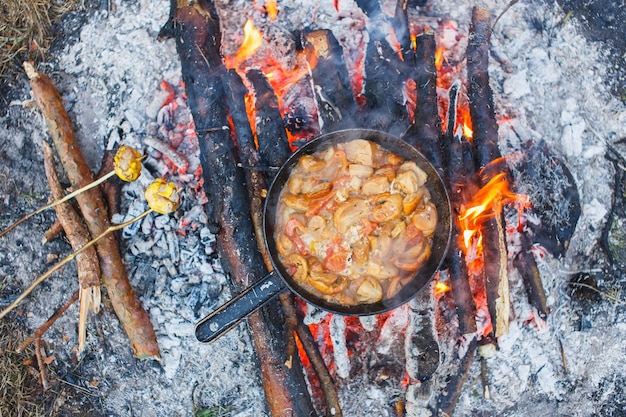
x,y
19,389
24,26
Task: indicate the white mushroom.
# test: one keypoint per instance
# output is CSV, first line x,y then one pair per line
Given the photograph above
x,y
370,291
359,151
349,213
386,207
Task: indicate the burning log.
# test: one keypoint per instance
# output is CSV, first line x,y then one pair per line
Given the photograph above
x,y
333,94
196,29
486,150
459,176
257,184
525,263
425,134
385,77
270,131
126,305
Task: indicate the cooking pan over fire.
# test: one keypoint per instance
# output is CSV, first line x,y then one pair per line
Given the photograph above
x,y
356,222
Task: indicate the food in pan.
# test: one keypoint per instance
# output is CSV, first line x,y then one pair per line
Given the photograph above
x,y
354,222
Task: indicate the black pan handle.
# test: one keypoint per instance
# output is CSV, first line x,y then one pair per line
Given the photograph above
x,y
231,313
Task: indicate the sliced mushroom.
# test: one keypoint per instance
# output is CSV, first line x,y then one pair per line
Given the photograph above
x,y
326,282
406,182
360,170
387,207
297,202
414,257
349,213
359,151
370,291
381,271
375,184
309,163
412,166
284,245
426,219
298,267
411,201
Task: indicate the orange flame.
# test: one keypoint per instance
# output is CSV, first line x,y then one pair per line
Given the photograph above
x,y
272,8
252,41
439,58
441,288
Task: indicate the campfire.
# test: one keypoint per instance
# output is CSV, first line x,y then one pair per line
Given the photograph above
x,y
252,93
404,81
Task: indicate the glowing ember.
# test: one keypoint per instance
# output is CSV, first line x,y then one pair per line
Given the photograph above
x,y
441,288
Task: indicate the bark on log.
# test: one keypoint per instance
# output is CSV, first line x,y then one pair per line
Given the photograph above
x,y
333,92
87,265
525,263
459,178
425,134
126,305
272,139
485,139
197,34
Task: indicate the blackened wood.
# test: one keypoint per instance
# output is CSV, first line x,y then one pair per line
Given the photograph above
x,y
333,91
197,34
400,23
370,7
480,95
257,182
446,402
425,134
272,139
385,76
459,176
525,263
489,161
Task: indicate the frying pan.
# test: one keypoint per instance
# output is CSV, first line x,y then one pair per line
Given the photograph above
x,y
231,313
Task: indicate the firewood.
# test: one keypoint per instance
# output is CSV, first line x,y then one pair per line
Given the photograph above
x,y
459,176
425,133
87,264
257,183
333,92
525,263
126,305
489,161
272,139
197,34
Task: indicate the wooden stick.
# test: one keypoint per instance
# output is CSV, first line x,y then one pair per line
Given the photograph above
x,y
126,305
87,263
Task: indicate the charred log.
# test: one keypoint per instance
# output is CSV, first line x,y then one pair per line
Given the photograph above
x,y
198,43
270,131
525,263
480,95
489,161
425,134
385,76
333,92
459,175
